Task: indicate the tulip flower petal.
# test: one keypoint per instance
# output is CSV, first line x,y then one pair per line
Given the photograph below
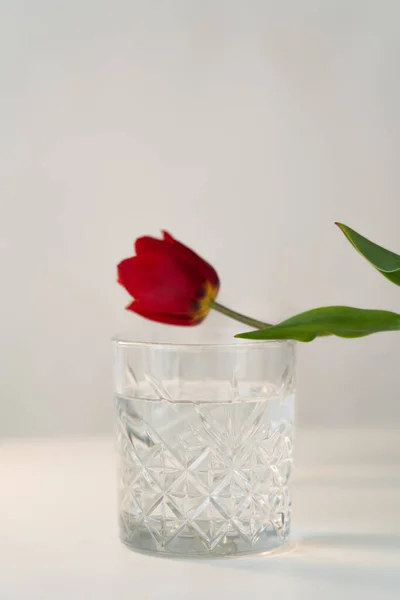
x,y
193,259
158,281
170,319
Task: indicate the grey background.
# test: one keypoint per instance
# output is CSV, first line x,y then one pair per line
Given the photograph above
x,y
246,128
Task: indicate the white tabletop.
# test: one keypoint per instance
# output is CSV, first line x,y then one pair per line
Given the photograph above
x,y
58,532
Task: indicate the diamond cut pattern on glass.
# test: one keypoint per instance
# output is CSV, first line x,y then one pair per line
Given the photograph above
x,y
216,473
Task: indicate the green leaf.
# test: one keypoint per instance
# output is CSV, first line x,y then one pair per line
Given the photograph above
x,y
343,321
385,261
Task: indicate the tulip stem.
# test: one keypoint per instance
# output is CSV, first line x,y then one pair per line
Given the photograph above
x,y
239,317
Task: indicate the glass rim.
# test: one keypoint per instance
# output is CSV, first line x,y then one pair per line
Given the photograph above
x,y
123,340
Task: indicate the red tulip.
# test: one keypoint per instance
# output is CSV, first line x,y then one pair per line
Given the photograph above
x,y
169,282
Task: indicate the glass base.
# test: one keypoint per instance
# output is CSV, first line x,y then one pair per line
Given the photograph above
x,y
189,544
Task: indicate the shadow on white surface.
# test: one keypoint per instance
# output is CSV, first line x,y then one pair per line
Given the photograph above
x,y
348,541
366,563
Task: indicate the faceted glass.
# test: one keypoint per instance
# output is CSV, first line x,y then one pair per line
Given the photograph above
x,y
204,437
